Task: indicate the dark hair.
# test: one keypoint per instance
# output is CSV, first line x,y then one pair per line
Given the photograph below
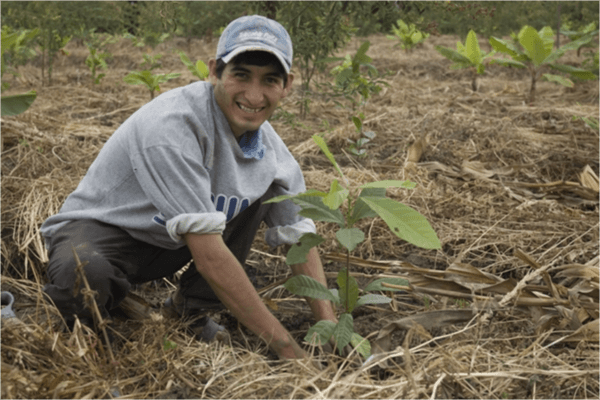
x,y
257,58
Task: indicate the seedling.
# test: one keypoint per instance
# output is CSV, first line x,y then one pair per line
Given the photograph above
x,y
532,49
357,147
97,57
407,35
18,103
199,69
467,55
17,49
365,201
350,80
150,80
579,33
96,60
354,85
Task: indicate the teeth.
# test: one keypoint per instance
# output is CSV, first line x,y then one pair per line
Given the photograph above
x,y
249,110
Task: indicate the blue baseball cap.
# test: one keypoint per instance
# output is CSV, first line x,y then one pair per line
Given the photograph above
x,y
256,33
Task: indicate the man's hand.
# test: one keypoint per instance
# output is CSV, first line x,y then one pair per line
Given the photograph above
x,y
229,281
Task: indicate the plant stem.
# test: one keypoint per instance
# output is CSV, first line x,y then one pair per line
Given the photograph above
x,y
347,305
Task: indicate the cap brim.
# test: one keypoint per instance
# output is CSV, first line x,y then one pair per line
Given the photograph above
x,y
268,49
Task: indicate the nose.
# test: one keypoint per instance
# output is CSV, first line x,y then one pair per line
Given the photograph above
x,y
254,94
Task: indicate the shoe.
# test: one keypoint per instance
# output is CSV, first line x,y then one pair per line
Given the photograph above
x,y
202,326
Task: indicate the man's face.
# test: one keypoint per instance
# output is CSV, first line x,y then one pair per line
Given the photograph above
x,y
248,94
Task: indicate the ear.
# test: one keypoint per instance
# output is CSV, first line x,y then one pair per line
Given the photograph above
x,y
288,88
212,71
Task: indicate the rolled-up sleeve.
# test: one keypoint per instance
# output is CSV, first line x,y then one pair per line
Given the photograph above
x,y
179,186
285,225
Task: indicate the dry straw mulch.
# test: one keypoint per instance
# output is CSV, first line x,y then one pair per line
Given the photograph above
x,y
508,308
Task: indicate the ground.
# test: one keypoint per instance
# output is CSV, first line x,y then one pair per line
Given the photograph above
x,y
508,308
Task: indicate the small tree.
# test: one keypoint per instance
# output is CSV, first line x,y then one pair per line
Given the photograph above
x,y
467,55
405,222
534,50
18,103
408,35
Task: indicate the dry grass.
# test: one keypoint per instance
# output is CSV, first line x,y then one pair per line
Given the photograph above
x,y
508,187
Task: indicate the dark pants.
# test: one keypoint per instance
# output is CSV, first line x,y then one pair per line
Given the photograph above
x,y
115,261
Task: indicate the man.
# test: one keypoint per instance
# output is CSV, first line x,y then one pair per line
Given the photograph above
x,y
184,179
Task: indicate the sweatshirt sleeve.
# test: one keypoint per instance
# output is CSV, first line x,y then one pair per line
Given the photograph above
x,y
285,225
179,186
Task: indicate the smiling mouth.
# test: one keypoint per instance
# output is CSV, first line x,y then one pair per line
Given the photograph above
x,y
250,110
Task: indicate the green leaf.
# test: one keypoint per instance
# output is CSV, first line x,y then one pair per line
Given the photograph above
x,y
533,45
347,283
168,345
508,63
320,333
578,72
350,238
473,52
336,196
335,294
377,284
343,331
405,222
362,345
17,103
357,123
559,79
504,47
306,286
371,298
313,208
323,146
389,183
297,253
202,69
361,209
453,55
308,193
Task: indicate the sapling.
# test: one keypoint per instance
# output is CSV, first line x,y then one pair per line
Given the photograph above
x,y
150,80
579,33
18,103
97,57
365,201
357,147
198,69
407,35
467,55
533,50
356,86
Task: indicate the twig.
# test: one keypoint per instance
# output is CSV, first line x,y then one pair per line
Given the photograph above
x,y
91,302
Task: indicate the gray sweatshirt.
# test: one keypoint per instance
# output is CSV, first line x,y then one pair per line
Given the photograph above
x,y
175,167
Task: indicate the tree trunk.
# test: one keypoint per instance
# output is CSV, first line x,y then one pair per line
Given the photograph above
x,y
532,88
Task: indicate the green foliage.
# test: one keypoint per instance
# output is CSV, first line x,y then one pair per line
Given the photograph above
x,y
199,69
350,80
405,222
168,345
148,79
151,62
579,33
533,50
317,30
357,147
97,55
408,35
17,49
468,55
18,103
